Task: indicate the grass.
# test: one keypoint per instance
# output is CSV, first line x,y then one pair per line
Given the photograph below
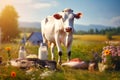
x,y
83,47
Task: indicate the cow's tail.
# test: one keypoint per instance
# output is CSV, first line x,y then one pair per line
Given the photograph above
x,y
43,22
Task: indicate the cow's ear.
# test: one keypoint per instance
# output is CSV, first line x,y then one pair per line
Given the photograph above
x,y
57,16
78,15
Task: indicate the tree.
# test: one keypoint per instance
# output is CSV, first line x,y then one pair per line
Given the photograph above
x,y
96,31
109,35
9,23
91,31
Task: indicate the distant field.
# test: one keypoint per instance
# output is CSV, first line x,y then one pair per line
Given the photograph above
x,y
95,37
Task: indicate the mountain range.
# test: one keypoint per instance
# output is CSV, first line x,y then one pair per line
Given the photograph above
x,y
29,24
88,27
77,27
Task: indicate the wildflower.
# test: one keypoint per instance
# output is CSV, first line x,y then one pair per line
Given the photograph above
x,y
111,57
8,49
107,52
118,52
13,74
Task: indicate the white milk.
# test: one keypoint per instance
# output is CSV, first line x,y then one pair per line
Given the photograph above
x,y
42,53
22,53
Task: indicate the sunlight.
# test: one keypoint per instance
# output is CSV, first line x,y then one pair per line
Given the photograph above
x,y
3,3
21,6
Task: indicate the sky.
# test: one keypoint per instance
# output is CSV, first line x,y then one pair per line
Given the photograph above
x,y
99,12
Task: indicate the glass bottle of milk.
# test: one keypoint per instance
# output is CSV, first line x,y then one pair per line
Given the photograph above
x,y
42,52
22,53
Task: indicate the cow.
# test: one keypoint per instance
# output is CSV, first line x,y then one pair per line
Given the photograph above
x,y
57,29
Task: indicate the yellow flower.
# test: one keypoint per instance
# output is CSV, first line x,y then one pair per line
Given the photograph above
x,y
107,52
13,74
8,48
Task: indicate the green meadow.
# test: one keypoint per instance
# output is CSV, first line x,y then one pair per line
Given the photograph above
x,y
83,47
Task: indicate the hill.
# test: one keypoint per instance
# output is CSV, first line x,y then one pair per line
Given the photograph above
x,y
77,27
30,24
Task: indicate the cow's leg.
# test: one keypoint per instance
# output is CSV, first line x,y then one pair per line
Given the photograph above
x,y
60,57
68,45
68,53
58,47
52,51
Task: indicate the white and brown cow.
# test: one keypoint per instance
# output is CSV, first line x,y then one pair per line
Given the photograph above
x,y
59,29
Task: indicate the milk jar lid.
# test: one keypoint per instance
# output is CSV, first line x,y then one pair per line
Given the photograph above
x,y
42,44
22,47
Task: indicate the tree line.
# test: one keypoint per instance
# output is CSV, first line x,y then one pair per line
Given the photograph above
x,y
109,30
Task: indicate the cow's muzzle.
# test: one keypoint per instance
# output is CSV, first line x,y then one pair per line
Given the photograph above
x,y
68,29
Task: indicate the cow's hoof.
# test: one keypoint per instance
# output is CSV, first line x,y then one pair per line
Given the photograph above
x,y
68,60
59,62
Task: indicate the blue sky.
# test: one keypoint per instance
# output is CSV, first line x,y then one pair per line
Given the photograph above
x,y
103,12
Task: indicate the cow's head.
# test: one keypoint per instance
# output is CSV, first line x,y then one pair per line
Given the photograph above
x,y
67,16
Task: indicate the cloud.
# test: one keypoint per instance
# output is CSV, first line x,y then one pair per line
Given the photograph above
x,y
115,21
22,1
35,4
15,3
29,3
43,5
